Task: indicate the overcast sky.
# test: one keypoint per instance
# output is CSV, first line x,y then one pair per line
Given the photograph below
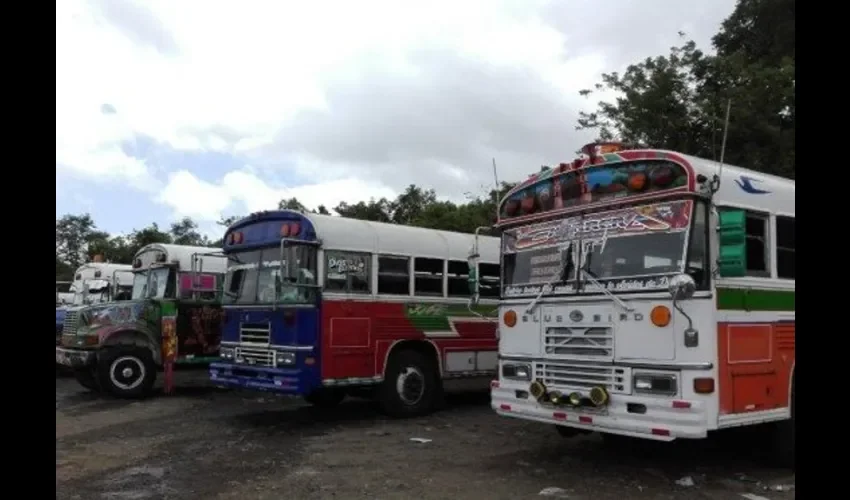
x,y
167,108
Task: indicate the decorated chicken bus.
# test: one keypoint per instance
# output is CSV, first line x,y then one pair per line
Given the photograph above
x,y
648,294
322,306
117,347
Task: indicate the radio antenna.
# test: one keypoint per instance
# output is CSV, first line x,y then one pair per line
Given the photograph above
x,y
723,145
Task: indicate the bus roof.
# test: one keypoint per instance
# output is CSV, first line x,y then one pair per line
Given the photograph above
x,y
87,272
106,268
745,188
342,233
616,174
183,255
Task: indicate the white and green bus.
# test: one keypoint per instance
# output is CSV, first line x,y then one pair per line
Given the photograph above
x,y
649,294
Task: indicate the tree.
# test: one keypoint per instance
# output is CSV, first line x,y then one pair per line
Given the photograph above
x,y
409,205
73,233
291,204
185,232
659,104
679,101
148,235
373,210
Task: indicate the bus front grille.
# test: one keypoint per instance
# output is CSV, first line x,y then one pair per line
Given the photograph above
x,y
255,334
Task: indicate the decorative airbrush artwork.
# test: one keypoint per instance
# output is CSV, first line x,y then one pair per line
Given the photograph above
x,y
670,216
643,245
565,187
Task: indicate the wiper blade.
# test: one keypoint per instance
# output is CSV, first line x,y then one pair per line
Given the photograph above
x,y
591,277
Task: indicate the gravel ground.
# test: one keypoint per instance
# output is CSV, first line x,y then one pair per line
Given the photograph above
x,y
207,443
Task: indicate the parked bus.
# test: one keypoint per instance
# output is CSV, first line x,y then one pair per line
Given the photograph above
x,y
321,307
648,294
93,283
116,347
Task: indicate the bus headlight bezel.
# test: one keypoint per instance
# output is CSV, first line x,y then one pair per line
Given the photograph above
x,y
516,371
657,384
284,358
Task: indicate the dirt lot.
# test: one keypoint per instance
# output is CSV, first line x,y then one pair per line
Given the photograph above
x,y
207,443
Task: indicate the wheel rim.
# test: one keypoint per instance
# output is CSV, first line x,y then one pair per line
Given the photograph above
x,y
410,385
127,372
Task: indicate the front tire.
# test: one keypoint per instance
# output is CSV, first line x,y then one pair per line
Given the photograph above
x,y
127,372
86,378
411,385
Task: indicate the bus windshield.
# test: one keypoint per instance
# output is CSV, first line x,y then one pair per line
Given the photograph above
x,y
631,249
161,284
255,277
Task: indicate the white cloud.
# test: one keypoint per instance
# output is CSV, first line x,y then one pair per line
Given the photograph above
x,y
380,93
242,191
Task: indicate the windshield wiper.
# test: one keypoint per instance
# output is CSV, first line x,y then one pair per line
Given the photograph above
x,y
585,270
562,273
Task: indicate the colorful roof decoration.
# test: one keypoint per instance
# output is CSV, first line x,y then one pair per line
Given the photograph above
x,y
606,173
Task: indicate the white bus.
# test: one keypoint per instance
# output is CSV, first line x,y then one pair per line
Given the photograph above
x,y
648,294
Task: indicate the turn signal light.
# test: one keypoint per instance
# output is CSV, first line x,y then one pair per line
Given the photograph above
x,y
509,318
660,316
703,385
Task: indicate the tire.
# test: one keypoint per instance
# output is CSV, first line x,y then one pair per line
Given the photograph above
x,y
410,387
325,398
126,372
785,437
85,377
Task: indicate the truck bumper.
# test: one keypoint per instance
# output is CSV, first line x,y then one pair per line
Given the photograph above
x,y
278,380
662,420
75,358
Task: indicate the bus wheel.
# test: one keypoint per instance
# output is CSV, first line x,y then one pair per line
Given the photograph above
x,y
127,372
784,438
410,385
325,398
85,377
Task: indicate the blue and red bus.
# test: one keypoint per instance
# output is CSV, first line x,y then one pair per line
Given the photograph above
x,y
323,307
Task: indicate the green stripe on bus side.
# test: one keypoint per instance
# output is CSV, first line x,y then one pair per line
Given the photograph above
x,y
743,299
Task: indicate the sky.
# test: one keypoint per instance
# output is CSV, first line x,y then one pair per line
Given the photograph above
x,y
211,108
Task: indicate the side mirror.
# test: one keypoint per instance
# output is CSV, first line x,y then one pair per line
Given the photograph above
x,y
682,287
732,237
287,259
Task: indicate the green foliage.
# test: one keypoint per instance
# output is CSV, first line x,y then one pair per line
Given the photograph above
x,y
678,101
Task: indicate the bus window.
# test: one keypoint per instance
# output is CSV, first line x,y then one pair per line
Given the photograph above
x,y
757,261
785,247
393,275
490,280
698,248
458,278
347,272
428,275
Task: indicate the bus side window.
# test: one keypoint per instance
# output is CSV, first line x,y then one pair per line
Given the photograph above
x,y
757,256
458,278
347,272
428,276
785,247
393,275
490,280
